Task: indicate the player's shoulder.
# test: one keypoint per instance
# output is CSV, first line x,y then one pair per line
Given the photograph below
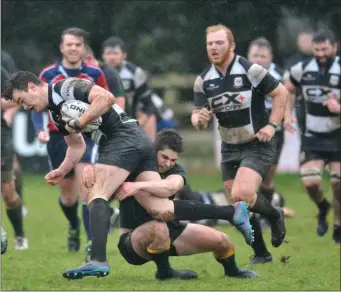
x,y
276,71
178,169
243,63
93,71
67,87
130,66
208,74
49,71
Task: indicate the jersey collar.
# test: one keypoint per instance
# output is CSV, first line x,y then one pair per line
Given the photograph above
x,y
228,70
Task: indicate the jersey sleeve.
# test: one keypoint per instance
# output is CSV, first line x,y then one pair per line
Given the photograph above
x,y
142,90
261,79
200,99
74,88
295,73
102,81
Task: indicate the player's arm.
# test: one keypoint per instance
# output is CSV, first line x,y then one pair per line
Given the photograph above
x,y
163,188
100,101
200,115
75,151
279,100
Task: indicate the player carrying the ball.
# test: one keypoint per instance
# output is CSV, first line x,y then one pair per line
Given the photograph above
x,y
124,150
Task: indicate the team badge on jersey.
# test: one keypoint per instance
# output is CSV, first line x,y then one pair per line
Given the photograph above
x,y
238,82
334,80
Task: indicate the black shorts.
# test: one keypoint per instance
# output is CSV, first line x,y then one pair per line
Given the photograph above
x,y
57,147
129,148
279,145
327,157
129,254
254,155
7,153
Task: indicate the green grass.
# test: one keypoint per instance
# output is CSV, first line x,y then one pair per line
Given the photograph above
x,y
314,262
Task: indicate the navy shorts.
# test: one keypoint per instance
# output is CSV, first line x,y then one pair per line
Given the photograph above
x,y
56,150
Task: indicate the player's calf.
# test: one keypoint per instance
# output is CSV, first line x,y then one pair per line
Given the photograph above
x,y
14,213
312,181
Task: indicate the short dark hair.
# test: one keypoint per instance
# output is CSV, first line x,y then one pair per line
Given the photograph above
x,y
114,42
169,139
324,35
75,31
19,81
261,42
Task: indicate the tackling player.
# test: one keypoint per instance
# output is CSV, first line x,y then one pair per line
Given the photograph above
x,y
143,239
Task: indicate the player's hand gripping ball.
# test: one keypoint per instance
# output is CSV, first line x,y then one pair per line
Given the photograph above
x,y
72,110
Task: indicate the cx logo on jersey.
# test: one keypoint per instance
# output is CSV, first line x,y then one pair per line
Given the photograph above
x,y
316,92
228,100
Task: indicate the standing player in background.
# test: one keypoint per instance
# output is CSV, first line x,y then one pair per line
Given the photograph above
x,y
260,52
12,200
234,89
9,65
138,93
319,80
303,53
72,47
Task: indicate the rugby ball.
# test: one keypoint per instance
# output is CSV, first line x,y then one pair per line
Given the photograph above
x,y
74,109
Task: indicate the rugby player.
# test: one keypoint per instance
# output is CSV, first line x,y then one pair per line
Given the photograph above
x,y
10,67
319,80
12,200
260,52
234,89
143,239
72,48
124,150
138,93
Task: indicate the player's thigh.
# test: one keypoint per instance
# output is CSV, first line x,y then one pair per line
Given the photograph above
x,y
269,177
311,167
198,239
108,178
230,162
334,170
259,157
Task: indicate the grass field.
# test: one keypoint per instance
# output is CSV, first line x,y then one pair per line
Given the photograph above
x,y
314,262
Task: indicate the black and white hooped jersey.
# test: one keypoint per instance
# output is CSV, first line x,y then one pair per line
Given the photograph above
x,y
79,89
315,85
134,81
236,99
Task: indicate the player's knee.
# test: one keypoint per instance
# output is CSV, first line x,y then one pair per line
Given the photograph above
x,y
161,215
311,177
10,196
159,231
228,189
334,178
222,242
242,193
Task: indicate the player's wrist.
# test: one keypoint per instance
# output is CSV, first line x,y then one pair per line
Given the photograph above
x,y
273,124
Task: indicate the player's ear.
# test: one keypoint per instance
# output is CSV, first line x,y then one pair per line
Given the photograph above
x,y
31,86
233,46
